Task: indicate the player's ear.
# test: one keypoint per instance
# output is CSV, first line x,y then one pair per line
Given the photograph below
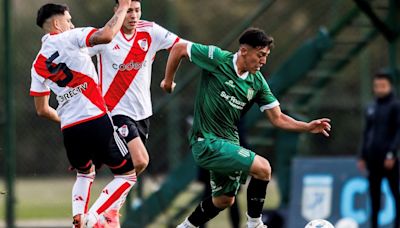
x,y
55,23
243,50
115,8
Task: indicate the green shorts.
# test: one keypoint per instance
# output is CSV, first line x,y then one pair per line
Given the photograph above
x,y
229,164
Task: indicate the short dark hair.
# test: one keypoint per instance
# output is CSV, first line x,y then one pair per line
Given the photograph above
x,y
256,37
384,74
49,10
116,1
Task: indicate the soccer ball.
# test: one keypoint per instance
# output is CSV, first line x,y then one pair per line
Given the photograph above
x,y
346,223
319,223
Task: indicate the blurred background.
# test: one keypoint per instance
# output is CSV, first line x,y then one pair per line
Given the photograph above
x,y
325,55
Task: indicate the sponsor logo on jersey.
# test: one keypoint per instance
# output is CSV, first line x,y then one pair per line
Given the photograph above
x,y
124,130
230,83
233,101
129,66
250,94
143,44
62,99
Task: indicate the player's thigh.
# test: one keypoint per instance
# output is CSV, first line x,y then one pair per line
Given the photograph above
x,y
117,156
138,151
134,133
222,156
130,129
261,168
111,149
77,148
223,184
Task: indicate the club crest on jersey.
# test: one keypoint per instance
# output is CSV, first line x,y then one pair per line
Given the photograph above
x,y
143,44
250,94
124,131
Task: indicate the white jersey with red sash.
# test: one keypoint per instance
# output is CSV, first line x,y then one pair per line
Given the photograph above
x,y
64,66
125,67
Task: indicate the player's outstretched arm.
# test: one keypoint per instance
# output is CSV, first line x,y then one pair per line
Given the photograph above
x,y
178,52
283,121
43,109
108,32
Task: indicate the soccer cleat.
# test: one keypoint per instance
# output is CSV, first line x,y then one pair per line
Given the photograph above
x,y
259,225
255,222
186,224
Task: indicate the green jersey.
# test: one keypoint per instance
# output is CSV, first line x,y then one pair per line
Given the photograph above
x,y
223,96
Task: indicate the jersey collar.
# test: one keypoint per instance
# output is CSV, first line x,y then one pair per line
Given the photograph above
x,y
245,74
125,37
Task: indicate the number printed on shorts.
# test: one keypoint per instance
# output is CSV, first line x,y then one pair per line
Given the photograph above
x,y
56,68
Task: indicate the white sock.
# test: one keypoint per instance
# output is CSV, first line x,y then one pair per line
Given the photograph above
x,y
114,194
252,222
81,192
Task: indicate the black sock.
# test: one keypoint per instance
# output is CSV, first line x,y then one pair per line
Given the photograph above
x,y
204,212
255,197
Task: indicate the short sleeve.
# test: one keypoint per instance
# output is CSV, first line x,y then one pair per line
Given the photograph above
x,y
163,38
81,36
95,50
207,57
38,86
265,99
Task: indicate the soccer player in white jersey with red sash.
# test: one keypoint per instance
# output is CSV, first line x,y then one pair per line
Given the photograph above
x,y
64,66
124,67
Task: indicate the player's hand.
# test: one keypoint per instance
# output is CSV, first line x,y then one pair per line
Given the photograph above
x,y
167,86
389,163
124,3
361,165
322,126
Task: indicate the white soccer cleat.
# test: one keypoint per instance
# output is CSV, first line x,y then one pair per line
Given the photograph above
x,y
186,224
255,222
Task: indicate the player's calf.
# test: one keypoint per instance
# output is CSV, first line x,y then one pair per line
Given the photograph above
x,y
256,191
111,198
81,194
207,210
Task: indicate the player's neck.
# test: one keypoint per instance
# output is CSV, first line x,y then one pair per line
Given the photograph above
x,y
128,32
240,66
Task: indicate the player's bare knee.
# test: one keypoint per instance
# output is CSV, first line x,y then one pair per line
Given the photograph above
x,y
140,167
141,164
265,171
87,171
223,202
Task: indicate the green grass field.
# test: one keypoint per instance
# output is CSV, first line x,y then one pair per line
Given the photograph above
x,y
41,200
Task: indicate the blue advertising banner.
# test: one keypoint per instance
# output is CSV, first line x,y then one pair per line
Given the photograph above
x,y
332,189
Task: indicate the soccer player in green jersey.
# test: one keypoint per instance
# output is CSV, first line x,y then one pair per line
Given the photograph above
x,y
230,84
